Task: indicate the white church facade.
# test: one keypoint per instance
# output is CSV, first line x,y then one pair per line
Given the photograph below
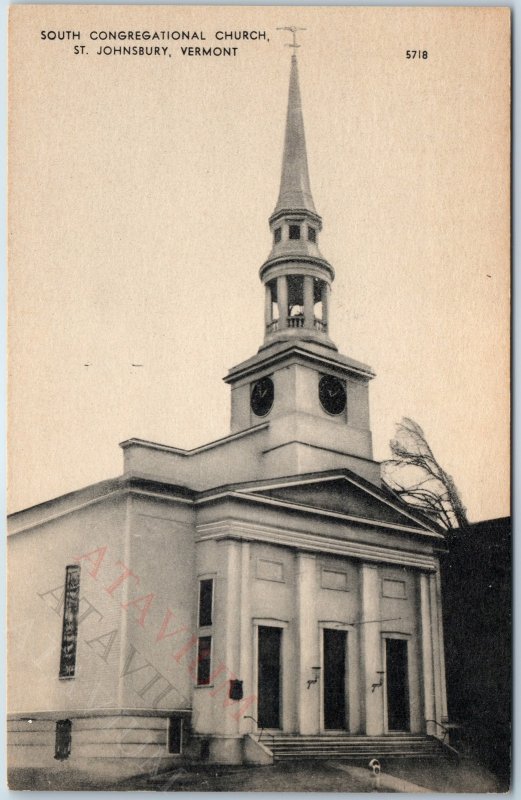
x,y
261,587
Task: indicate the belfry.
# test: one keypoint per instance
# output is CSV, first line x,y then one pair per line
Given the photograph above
x,y
296,277
298,378
258,598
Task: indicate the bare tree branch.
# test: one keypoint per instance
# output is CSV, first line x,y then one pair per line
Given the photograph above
x,y
415,477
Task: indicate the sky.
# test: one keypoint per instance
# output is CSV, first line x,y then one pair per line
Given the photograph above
x,y
140,191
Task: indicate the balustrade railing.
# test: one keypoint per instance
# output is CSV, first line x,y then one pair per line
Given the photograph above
x,y
295,322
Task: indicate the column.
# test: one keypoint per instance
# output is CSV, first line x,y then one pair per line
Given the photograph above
x,y
325,304
436,650
309,316
282,299
246,643
371,651
307,645
230,628
267,306
441,640
427,664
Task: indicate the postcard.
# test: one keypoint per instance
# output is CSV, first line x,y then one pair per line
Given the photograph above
x,y
259,344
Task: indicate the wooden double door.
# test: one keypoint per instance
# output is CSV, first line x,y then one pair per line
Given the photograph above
x,y
335,710
334,678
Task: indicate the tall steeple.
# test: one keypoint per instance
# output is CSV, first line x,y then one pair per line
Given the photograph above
x,y
295,191
314,400
296,276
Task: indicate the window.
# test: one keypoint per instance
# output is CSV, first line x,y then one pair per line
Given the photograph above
x,y
204,645
294,231
204,658
70,622
205,602
312,234
62,744
175,735
278,235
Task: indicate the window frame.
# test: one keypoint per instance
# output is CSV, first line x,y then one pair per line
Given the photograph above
x,y
199,623
198,682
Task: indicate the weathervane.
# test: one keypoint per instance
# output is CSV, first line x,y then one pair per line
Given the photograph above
x,y
292,29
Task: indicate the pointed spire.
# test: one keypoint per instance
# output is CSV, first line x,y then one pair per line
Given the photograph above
x,y
295,191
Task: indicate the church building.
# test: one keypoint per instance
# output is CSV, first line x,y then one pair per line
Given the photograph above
x,y
256,598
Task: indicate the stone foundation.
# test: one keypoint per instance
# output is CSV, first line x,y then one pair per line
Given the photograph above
x,y
108,746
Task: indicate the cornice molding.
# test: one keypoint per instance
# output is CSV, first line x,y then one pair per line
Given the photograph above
x,y
298,352
297,258
317,512
125,486
87,713
201,449
300,540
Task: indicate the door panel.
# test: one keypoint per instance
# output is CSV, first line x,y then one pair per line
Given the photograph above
x,y
335,642
269,689
397,681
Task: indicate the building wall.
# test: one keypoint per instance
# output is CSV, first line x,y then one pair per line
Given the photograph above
x,y
477,587
228,461
161,604
136,610
36,561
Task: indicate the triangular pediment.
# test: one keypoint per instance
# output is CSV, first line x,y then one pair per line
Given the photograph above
x,y
343,494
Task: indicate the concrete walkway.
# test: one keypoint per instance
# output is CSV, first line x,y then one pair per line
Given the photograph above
x,y
381,781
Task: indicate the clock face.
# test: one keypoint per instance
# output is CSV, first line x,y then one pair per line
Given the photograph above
x,y
262,396
332,394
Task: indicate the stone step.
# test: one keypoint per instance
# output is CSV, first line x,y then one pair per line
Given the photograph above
x,y
355,756
352,747
353,739
365,750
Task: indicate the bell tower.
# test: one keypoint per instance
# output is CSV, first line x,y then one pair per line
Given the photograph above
x,y
315,400
296,277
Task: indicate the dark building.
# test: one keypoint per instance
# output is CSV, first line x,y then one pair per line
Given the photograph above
x,y
477,610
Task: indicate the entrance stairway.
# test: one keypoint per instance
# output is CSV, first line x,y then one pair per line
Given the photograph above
x,y
345,746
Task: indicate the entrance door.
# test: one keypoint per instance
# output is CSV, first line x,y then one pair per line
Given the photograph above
x,y
335,643
397,681
268,690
